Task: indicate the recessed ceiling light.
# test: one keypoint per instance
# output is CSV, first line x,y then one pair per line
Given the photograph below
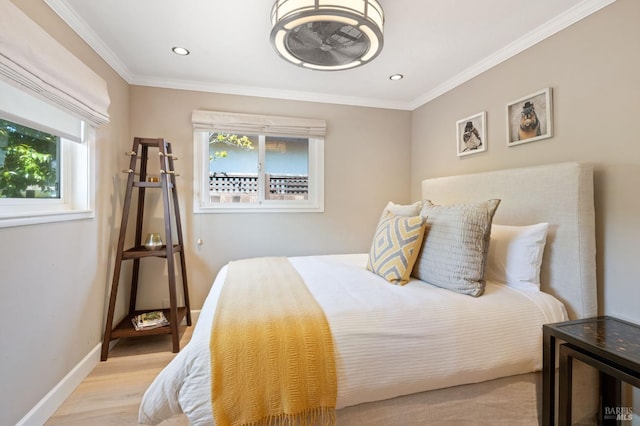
x,y
180,51
396,77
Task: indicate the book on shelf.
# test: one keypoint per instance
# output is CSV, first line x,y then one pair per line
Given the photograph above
x,y
149,320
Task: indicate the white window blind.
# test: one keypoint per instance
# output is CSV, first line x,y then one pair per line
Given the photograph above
x,y
36,63
257,124
20,107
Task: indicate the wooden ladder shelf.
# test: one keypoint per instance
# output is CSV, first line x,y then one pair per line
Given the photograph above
x,y
167,183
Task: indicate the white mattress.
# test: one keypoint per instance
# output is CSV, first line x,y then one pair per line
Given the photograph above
x,y
389,340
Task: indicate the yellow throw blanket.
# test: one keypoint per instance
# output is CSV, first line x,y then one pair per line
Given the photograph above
x,y
272,358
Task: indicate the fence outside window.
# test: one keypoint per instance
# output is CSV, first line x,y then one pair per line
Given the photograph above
x,y
243,188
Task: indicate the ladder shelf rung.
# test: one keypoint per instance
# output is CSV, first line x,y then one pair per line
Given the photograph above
x,y
141,251
125,327
150,185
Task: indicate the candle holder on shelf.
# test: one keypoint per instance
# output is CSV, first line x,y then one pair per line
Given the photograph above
x,y
153,241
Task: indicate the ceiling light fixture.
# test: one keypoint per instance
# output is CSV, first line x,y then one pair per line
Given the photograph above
x,y
180,51
327,35
396,77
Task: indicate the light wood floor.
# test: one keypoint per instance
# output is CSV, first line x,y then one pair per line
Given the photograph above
x,y
111,394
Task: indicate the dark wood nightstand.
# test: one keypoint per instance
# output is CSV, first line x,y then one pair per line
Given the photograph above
x,y
609,344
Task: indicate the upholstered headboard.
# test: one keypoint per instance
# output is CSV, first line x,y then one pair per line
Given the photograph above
x,y
560,194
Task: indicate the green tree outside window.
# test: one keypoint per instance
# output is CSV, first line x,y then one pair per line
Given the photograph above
x,y
28,162
242,142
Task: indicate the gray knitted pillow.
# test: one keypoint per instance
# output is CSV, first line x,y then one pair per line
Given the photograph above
x,y
455,247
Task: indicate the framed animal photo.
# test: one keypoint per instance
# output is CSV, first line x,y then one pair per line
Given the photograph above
x,y
530,118
471,134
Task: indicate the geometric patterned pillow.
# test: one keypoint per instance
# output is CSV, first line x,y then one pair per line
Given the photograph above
x,y
456,244
395,247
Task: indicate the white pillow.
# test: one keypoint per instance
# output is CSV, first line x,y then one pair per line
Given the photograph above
x,y
515,255
401,209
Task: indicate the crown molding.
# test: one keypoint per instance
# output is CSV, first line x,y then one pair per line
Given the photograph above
x,y
84,30
86,33
263,92
553,26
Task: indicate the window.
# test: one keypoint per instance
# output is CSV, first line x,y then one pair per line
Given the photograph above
x,y
29,162
258,163
54,100
45,160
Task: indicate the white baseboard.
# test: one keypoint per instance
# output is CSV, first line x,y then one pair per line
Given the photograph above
x,y
48,405
56,396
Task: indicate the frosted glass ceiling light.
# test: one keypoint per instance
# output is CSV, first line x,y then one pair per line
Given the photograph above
x,y
327,35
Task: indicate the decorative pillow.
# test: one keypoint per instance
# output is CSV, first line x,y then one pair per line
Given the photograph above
x,y
515,255
456,244
402,209
395,247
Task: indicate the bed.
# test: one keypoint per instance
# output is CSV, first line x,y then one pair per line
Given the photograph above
x,y
464,360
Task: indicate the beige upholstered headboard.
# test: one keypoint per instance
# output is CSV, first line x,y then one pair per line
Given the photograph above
x,y
560,194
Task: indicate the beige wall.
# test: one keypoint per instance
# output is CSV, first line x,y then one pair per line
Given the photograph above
x,y
52,279
55,277
366,153
592,68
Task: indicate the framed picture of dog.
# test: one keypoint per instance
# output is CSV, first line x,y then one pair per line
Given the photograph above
x,y
471,134
530,118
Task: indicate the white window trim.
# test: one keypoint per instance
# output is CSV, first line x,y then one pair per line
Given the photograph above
x,y
209,121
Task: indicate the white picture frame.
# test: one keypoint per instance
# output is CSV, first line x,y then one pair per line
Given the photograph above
x,y
530,118
471,134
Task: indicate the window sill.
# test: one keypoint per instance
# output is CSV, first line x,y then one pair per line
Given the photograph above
x,y
44,217
257,209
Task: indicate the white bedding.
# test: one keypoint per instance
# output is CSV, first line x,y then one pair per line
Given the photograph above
x,y
389,340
